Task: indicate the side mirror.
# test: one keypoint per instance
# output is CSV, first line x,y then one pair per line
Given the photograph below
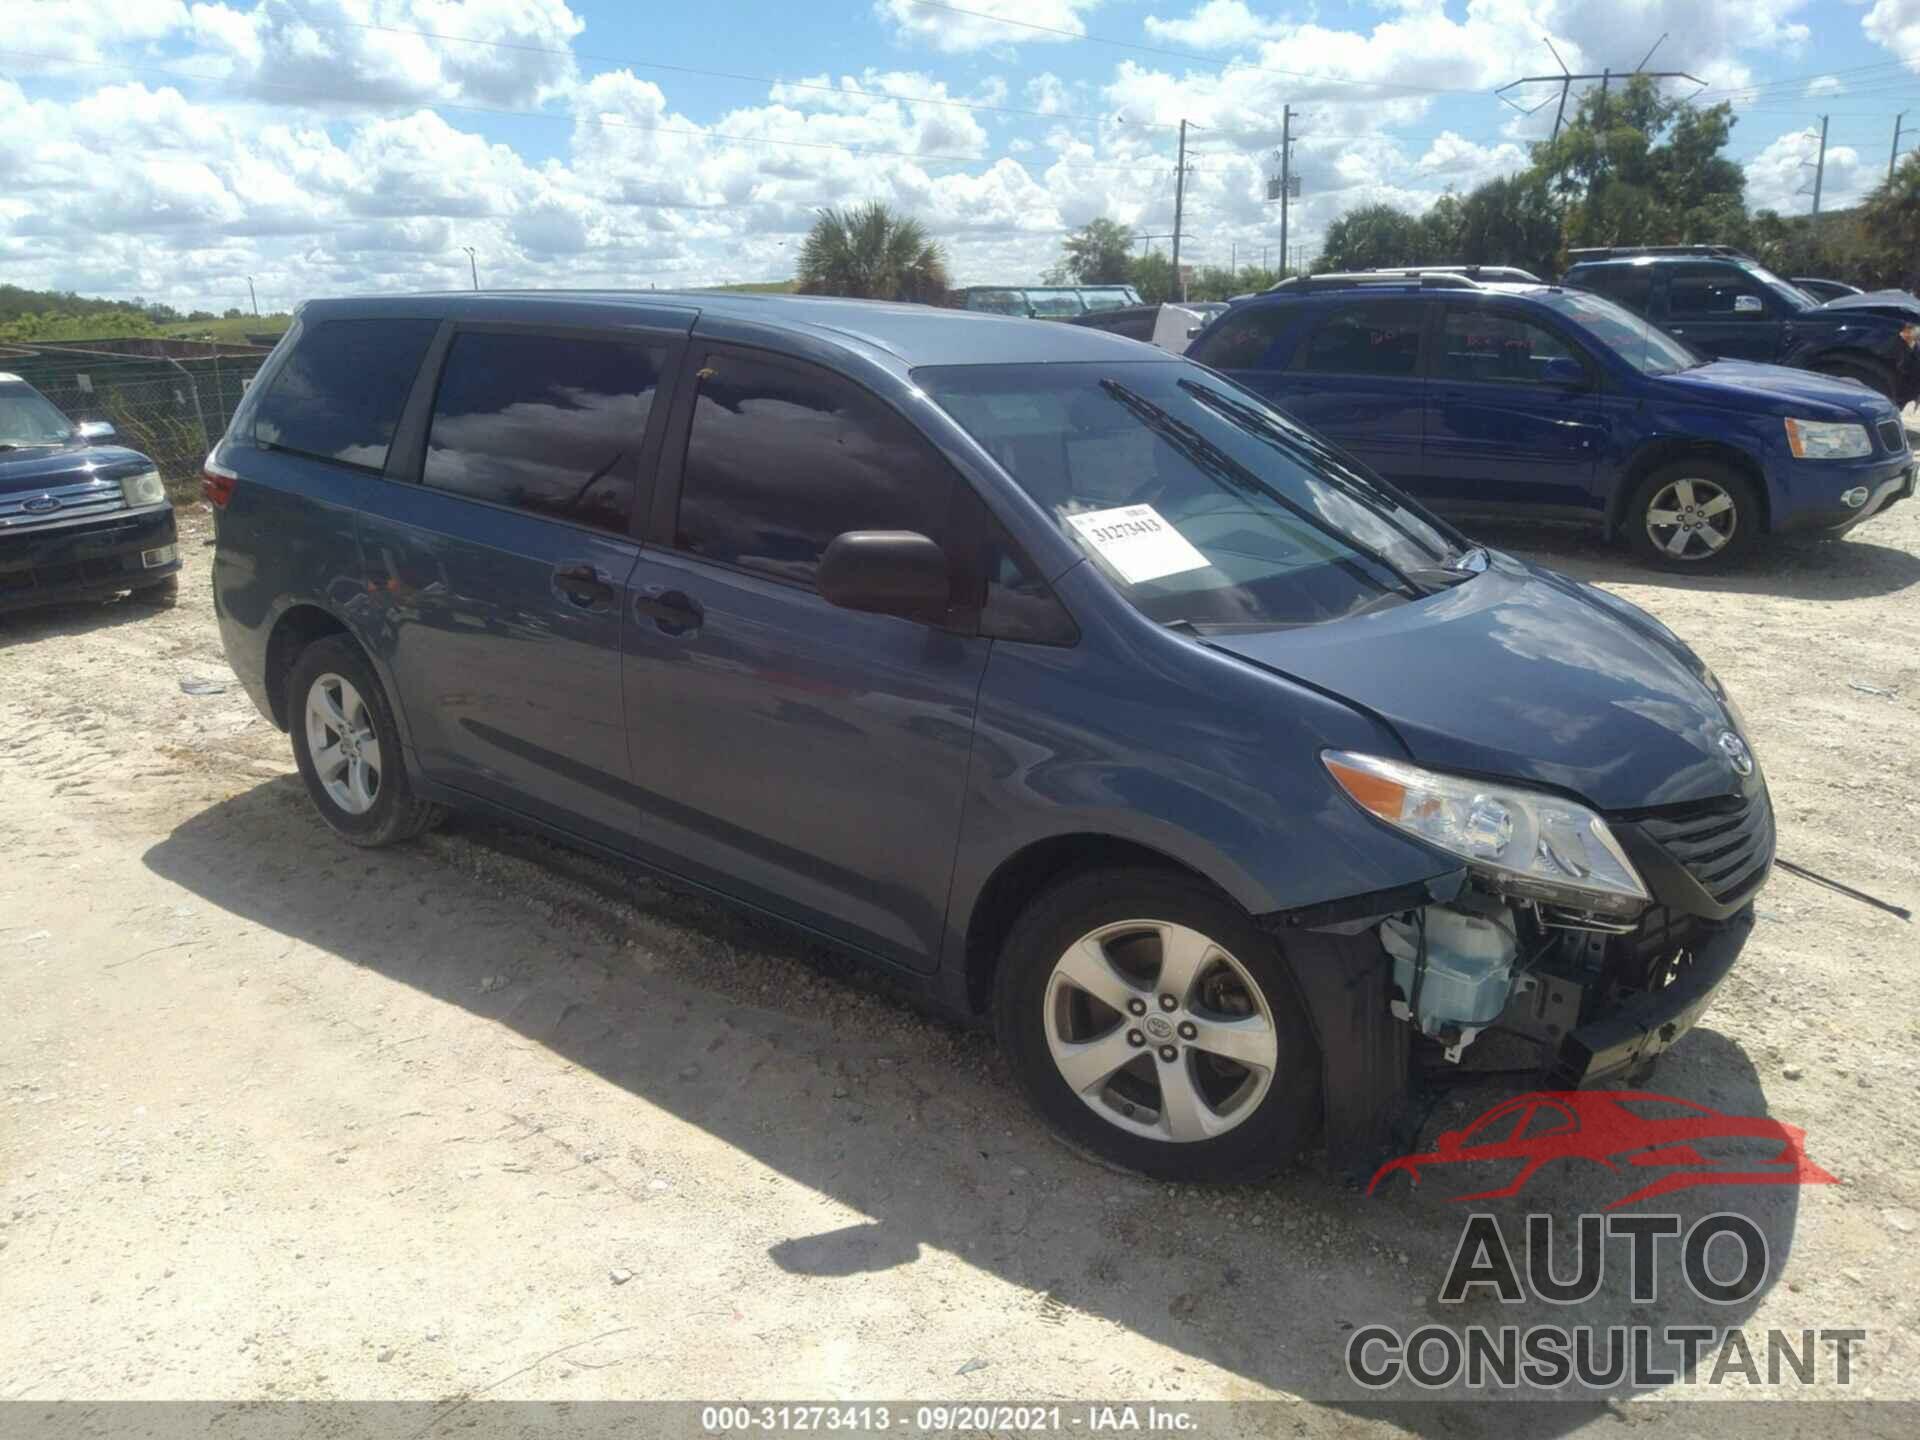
x,y
95,430
1748,305
889,572
1565,371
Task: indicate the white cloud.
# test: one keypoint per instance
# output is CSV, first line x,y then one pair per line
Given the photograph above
x,y
1215,25
1825,85
1780,177
955,32
1895,24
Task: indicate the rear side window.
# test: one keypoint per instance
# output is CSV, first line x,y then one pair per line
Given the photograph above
x,y
1245,340
1628,285
341,391
1375,339
781,459
543,423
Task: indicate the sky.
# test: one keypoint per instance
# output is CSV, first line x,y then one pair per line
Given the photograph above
x,y
170,150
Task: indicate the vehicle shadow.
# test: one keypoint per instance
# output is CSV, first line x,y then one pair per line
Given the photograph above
x,y
915,1125
83,617
1851,568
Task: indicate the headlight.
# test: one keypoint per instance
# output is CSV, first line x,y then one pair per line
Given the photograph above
x,y
1527,843
143,489
1819,440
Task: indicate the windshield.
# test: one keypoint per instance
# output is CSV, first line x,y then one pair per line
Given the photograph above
x,y
28,418
1646,347
1200,502
1792,293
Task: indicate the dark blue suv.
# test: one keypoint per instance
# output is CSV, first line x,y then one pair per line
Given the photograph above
x,y
1072,683
79,518
1516,401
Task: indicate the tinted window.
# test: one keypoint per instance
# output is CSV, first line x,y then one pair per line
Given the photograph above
x,y
1377,339
340,394
1479,344
1628,285
543,424
781,460
997,302
1638,342
1715,295
1245,340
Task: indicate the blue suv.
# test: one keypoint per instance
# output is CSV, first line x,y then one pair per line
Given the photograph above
x,y
1074,684
1516,400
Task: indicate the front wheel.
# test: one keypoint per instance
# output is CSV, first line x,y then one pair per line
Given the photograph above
x,y
1151,1022
348,747
1693,515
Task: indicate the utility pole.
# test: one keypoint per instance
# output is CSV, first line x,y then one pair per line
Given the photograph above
x,y
473,265
1286,176
256,299
1820,168
1179,207
1894,158
1565,80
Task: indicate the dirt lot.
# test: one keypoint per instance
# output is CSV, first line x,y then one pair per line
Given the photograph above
x,y
483,1118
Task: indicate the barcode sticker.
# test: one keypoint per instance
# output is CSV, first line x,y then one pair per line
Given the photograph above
x,y
1137,543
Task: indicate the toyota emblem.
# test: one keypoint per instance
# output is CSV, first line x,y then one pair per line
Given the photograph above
x,y
1737,753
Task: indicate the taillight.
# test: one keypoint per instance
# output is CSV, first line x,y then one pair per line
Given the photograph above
x,y
216,483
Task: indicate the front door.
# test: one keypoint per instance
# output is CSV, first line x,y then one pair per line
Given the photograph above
x,y
1514,422
498,574
805,758
1723,312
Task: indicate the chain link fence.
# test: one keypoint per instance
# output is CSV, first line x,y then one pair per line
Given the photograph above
x,y
170,406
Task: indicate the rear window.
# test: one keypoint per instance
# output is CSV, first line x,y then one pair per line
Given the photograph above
x,y
341,391
1245,340
1628,285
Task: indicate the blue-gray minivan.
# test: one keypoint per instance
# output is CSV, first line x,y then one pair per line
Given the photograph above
x,y
1068,680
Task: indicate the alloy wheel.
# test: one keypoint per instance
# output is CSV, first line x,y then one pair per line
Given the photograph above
x,y
342,744
1160,1031
1691,519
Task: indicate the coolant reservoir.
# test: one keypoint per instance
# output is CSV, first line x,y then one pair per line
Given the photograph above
x,y
1471,945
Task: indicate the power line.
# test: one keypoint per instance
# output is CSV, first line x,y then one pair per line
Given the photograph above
x,y
1189,55
709,136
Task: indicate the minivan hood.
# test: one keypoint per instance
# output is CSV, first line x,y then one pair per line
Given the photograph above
x,y
41,469
1779,390
1524,675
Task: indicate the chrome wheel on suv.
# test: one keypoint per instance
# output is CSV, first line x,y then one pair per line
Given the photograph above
x,y
1693,514
1160,1030
1692,518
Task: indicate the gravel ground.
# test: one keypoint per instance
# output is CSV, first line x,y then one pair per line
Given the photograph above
x,y
485,1118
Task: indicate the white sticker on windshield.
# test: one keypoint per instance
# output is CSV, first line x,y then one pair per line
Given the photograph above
x,y
1137,543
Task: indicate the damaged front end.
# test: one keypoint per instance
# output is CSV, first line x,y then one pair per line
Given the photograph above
x,y
1590,942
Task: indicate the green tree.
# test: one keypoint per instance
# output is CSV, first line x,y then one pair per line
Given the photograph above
x,y
1100,252
1889,222
1373,236
870,253
1152,275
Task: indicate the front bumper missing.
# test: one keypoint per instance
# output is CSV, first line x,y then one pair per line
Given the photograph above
x,y
1627,1039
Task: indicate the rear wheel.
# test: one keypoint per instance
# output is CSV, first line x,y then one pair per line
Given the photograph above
x,y
348,747
1693,515
1151,1022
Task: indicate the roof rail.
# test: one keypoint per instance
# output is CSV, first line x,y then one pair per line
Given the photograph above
x,y
1472,272
1611,252
1348,279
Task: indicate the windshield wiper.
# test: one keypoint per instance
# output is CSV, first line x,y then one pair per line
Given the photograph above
x,y
1263,428
1210,458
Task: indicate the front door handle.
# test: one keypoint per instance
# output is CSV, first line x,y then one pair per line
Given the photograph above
x,y
674,611
583,587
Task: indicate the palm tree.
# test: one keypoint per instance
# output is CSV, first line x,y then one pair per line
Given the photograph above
x,y
872,254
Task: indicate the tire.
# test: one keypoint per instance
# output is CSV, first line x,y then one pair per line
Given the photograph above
x,y
1717,540
1870,373
163,596
1111,928
360,787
